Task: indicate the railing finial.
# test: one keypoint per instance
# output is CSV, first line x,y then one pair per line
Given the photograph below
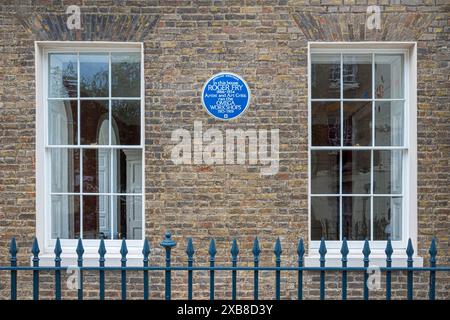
x,y
256,249
13,248
190,251
344,250
277,249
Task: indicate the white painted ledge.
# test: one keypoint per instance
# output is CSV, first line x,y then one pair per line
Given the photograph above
x,y
356,260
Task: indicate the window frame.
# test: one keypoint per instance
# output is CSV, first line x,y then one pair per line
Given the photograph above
x,y
43,177
409,180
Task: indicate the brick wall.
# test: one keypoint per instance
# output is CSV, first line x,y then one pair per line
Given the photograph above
x,y
185,43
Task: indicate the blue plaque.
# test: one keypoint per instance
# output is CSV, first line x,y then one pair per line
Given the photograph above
x,y
225,96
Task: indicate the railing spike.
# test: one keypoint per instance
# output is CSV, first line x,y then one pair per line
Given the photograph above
x,y
80,248
13,248
35,248
58,249
190,248
433,251
366,250
234,249
389,250
256,249
124,249
344,250
322,249
212,248
300,249
409,249
277,249
146,249
102,250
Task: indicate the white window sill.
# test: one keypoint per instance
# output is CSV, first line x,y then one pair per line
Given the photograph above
x,y
334,259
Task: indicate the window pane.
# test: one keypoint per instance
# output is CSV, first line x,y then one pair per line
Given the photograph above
x,y
127,171
65,170
65,219
62,122
325,78
387,215
96,170
325,218
325,172
94,75
127,212
356,171
356,218
326,123
387,171
126,122
357,76
96,217
125,75
389,123
389,76
357,123
94,124
63,81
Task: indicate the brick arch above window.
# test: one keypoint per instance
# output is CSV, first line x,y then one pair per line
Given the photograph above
x,y
94,27
352,26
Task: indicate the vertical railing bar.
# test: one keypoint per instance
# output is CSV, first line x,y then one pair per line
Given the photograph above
x,y
409,253
212,255
58,252
388,252
101,260
145,253
13,259
432,286
35,250
322,252
277,250
123,264
168,244
234,253
80,251
366,252
256,252
190,253
300,252
344,253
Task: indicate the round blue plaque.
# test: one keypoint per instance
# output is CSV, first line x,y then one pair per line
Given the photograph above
x,y
225,96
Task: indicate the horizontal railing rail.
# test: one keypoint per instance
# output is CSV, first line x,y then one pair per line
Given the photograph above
x,y
168,244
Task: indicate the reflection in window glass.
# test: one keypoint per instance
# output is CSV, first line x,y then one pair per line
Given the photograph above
x,y
325,77
62,78
326,123
387,171
357,76
389,121
126,115
96,217
94,75
65,216
356,218
95,189
324,172
325,218
125,75
389,76
356,171
62,122
127,215
65,170
387,215
94,124
357,123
